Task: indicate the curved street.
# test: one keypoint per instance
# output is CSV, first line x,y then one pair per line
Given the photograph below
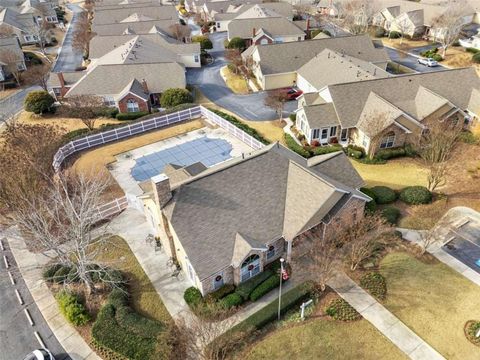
x,y
211,84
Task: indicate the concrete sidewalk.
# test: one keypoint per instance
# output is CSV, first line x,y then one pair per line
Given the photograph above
x,y
30,266
133,227
437,251
388,324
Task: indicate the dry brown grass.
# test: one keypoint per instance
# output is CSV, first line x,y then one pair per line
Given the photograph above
x,y
95,161
235,82
406,44
7,92
65,124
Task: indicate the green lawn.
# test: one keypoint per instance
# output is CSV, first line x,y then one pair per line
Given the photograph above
x,y
143,296
434,301
326,339
396,173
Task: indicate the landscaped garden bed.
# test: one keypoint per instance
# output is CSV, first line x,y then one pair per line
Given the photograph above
x,y
122,318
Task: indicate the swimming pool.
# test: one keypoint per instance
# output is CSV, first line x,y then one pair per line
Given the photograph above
x,y
209,151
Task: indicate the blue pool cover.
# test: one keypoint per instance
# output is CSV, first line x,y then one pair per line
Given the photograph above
x,y
206,150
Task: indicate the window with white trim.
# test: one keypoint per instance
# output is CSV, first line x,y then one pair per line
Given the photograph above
x,y
250,267
270,252
333,131
218,282
316,133
196,58
365,140
109,101
132,106
388,140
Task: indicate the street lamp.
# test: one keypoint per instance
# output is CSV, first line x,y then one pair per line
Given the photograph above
x,y
280,289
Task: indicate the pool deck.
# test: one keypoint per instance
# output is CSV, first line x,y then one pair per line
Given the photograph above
x,y
121,170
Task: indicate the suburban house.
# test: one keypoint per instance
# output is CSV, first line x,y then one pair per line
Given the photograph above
x,y
251,11
40,10
10,52
276,65
159,47
208,9
224,224
137,27
133,13
260,25
60,83
395,110
22,25
132,75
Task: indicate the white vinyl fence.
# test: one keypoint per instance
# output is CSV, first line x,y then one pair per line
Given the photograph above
x,y
112,208
140,127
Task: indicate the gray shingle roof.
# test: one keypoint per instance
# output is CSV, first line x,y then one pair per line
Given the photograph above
x,y
259,197
322,115
454,85
330,67
289,57
277,26
117,15
139,27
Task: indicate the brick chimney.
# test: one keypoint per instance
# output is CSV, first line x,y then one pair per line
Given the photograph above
x,y
254,31
161,190
145,86
308,23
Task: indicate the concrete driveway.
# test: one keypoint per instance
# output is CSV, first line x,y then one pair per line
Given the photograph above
x,y
68,58
211,84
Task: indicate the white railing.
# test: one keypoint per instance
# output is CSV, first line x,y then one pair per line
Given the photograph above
x,y
126,131
111,208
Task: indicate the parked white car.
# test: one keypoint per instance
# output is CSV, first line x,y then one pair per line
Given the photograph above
x,y
427,62
40,354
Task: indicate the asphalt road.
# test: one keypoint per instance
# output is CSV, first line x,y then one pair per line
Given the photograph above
x,y
210,82
15,100
69,59
17,336
411,61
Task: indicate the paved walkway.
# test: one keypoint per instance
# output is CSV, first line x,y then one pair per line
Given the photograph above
x,y
437,251
30,266
388,324
132,226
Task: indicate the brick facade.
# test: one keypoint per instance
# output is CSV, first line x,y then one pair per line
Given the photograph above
x,y
264,37
143,105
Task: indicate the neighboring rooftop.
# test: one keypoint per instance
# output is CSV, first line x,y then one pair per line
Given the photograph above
x,y
276,26
132,12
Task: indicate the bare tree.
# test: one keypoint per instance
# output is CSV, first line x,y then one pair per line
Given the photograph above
x,y
435,148
180,32
447,27
6,30
373,125
208,339
37,75
403,25
12,59
234,57
316,255
356,15
59,223
276,100
84,107
42,33
360,239
82,34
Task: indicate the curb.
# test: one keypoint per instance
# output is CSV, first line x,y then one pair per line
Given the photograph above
x,y
66,334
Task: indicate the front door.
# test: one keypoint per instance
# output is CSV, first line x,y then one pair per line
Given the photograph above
x,y
324,136
250,267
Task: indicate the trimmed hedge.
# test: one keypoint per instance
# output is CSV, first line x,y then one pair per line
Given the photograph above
x,y
394,35
221,293
375,284
131,115
192,296
61,274
386,154
321,150
384,194
415,195
242,126
231,300
269,313
71,307
265,287
38,102
294,146
339,309
247,287
391,214
476,58
371,206
175,96
127,333
356,152
49,273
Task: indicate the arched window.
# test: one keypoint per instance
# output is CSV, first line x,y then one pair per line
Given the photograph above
x,y
264,41
270,252
218,282
132,106
388,140
250,267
